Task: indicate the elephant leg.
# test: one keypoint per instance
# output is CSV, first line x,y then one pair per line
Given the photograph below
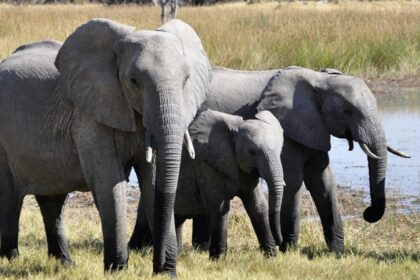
x,y
174,8
142,236
200,232
292,158
179,222
320,181
142,233
104,172
256,207
110,201
218,216
52,213
10,208
162,14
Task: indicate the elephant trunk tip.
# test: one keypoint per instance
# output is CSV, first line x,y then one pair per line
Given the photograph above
x,y
374,213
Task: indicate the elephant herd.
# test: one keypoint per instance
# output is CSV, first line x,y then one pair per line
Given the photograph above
x,y
78,116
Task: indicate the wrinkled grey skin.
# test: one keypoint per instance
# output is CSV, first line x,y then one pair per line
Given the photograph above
x,y
232,154
311,106
88,123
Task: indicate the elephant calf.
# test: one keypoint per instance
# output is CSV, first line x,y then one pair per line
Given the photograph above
x,y
232,154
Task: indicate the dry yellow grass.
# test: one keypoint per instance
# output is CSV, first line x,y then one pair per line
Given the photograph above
x,y
363,38
369,39
388,249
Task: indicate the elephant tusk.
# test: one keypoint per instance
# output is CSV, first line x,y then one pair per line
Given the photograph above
x,y
397,153
188,143
368,152
148,146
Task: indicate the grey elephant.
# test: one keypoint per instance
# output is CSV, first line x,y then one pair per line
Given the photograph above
x,y
73,118
311,106
231,155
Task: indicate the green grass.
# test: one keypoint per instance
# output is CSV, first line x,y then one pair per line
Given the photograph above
x,y
368,39
388,249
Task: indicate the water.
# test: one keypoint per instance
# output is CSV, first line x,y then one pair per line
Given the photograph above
x,y
400,115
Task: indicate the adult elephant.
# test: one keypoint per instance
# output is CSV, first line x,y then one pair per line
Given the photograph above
x,y
311,106
232,154
83,124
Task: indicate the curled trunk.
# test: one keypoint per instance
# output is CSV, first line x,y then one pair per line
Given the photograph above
x,y
377,172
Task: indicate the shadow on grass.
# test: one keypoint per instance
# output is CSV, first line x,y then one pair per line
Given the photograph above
x,y
312,252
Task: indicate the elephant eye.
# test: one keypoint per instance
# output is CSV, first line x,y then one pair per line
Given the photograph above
x,y
134,82
251,153
348,112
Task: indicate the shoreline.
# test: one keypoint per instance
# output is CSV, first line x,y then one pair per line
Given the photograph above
x,y
352,203
387,85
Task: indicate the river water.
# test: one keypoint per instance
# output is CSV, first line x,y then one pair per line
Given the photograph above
x,y
400,115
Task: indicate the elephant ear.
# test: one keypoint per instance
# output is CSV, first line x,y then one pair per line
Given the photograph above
x,y
198,84
212,134
331,71
292,97
88,73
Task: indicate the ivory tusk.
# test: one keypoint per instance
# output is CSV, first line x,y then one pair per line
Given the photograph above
x,y
368,152
188,143
397,153
148,146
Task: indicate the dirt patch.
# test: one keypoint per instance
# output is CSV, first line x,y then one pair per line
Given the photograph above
x,y
389,85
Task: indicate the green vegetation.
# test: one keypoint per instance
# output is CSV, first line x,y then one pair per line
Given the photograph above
x,y
368,39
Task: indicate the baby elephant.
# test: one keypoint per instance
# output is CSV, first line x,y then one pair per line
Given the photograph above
x,y
231,155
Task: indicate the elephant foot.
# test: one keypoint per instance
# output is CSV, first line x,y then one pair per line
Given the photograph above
x,y
116,265
201,247
9,254
215,256
170,272
65,261
336,247
9,248
269,252
287,246
112,268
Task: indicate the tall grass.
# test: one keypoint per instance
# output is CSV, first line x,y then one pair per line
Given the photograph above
x,y
369,39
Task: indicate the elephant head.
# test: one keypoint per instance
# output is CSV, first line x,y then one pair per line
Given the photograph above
x,y
312,105
234,146
111,71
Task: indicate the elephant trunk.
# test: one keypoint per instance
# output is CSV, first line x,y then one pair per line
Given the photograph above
x,y
169,133
376,142
275,182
